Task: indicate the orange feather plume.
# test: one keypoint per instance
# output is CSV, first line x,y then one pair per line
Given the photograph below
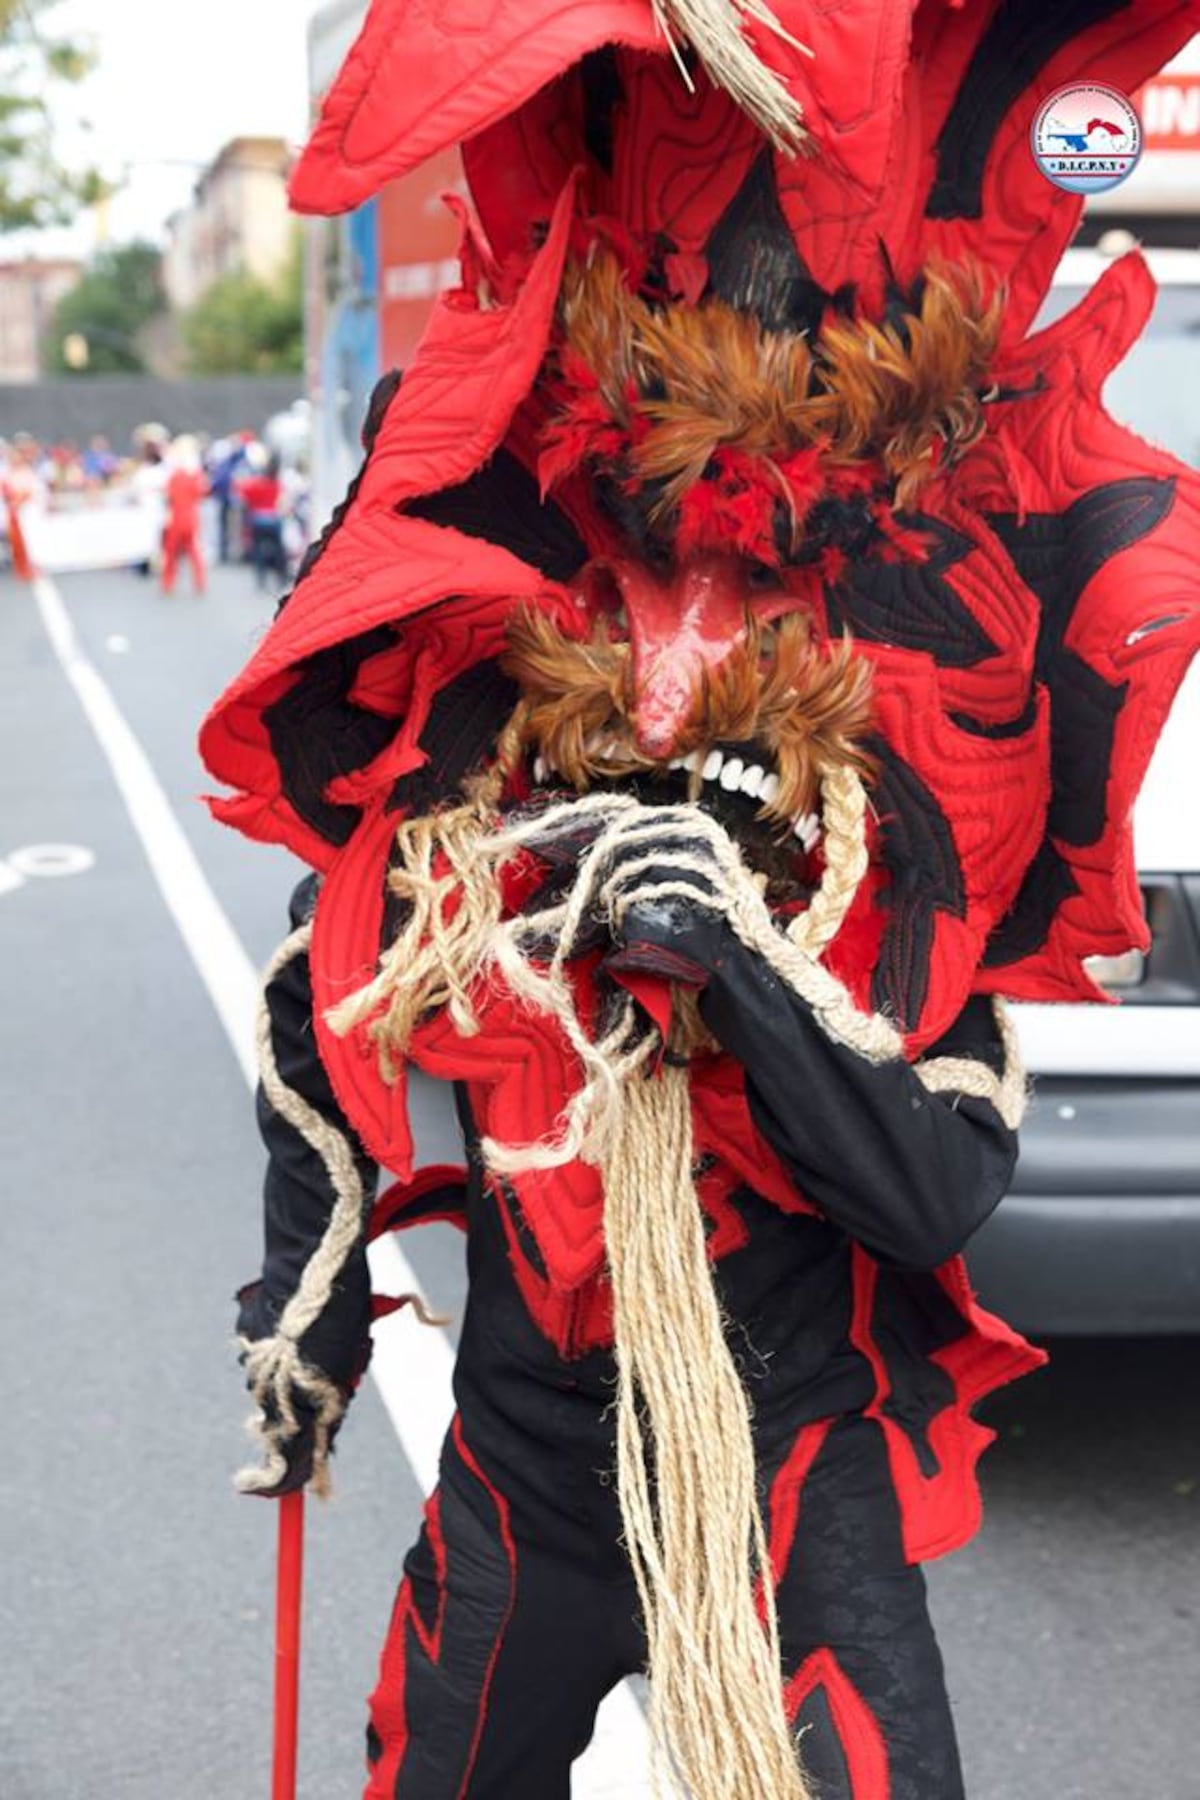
x,y
668,387
807,705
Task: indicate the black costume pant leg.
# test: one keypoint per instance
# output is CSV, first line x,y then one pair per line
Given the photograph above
x,y
864,1673
497,1657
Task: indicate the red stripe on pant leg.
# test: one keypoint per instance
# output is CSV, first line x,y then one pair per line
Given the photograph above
x,y
856,1725
389,1702
387,1709
783,1505
431,1635
387,1706
510,1550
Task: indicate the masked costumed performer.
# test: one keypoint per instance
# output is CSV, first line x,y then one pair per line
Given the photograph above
x,y
732,669
187,486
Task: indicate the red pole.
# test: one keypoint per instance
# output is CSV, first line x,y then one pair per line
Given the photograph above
x,y
290,1580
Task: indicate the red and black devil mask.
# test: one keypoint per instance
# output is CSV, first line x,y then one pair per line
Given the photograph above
x,y
724,451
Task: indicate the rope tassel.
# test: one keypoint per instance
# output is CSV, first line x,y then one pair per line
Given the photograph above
x,y
693,1531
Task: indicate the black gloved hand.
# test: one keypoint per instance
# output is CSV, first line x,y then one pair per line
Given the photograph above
x,y
298,1448
654,894
300,1414
663,899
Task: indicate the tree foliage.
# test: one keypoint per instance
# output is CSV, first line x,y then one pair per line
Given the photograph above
x,y
244,326
35,188
108,306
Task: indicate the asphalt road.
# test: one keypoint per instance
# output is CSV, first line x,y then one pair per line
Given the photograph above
x,y
135,1588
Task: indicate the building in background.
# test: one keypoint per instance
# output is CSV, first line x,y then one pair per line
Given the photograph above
x,y
1159,205
238,220
371,277
30,289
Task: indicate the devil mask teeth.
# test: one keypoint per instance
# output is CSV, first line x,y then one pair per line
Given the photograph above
x,y
732,771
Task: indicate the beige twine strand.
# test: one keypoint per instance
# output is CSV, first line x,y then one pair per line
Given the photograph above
x,y
275,1370
693,1530
844,816
716,30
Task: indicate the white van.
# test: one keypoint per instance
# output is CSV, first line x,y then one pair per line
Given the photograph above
x,y
1101,1232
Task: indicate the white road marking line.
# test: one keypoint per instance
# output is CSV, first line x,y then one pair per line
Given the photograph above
x,y
211,941
51,861
412,1363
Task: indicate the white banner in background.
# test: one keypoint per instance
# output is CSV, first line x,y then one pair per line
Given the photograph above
x,y
120,529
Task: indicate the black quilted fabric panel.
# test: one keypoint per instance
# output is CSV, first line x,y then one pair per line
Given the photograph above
x,y
1057,555
910,604
917,847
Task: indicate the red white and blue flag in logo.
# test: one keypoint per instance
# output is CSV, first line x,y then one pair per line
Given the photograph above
x,y
1087,137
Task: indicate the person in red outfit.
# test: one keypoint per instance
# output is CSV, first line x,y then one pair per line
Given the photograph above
x,y
19,485
733,667
261,494
186,487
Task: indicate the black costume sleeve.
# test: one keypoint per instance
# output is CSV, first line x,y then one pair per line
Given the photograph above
x,y
909,1173
298,1195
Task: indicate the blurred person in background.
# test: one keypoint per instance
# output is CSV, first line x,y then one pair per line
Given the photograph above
x,y
226,463
260,491
150,477
296,484
66,468
186,486
98,462
22,484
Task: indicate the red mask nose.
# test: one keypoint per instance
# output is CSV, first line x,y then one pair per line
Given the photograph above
x,y
680,624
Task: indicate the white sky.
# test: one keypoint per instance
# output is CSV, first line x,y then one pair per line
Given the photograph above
x,y
176,79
